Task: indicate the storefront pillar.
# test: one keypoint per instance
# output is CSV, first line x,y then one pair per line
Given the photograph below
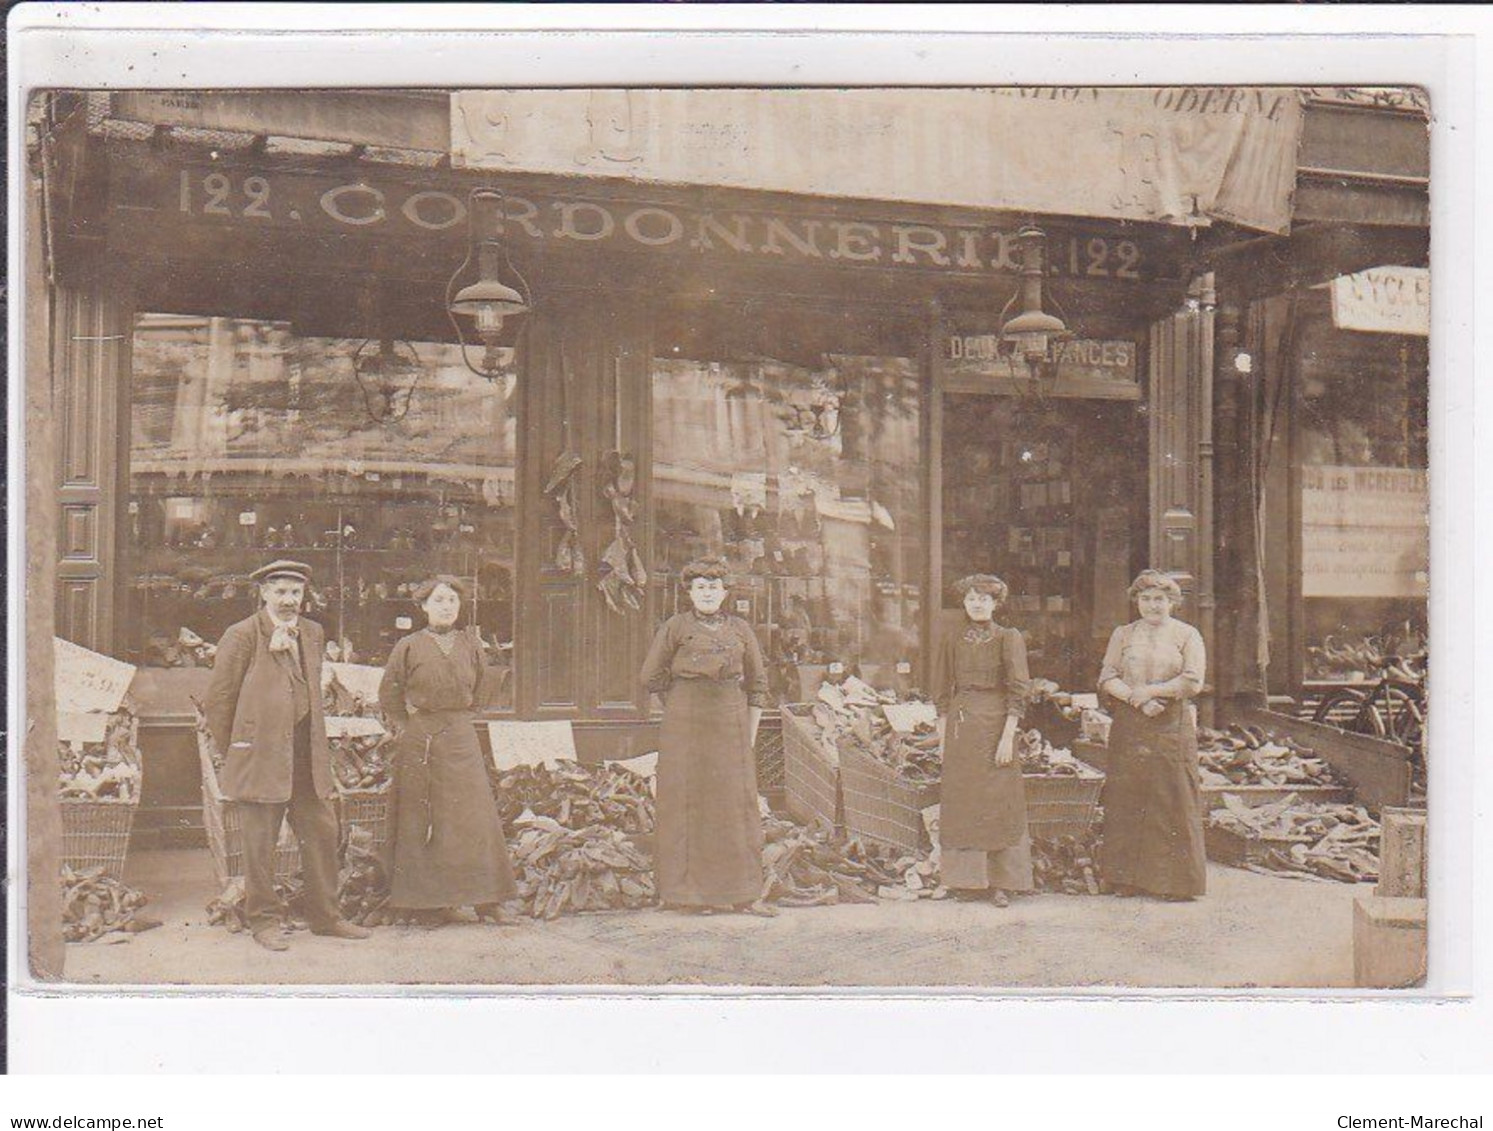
x,y
43,825
1239,664
91,335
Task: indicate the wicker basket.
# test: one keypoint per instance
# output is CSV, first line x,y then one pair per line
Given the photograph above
x,y
96,834
769,753
225,835
1061,806
366,809
880,805
811,778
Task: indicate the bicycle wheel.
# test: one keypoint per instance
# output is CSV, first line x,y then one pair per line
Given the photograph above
x,y
1397,712
1347,709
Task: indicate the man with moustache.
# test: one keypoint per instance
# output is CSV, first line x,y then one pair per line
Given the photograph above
x,y
264,711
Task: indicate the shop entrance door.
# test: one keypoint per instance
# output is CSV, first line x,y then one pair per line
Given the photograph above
x,y
1051,496
584,478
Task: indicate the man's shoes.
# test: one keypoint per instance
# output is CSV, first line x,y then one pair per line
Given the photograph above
x,y
271,937
342,929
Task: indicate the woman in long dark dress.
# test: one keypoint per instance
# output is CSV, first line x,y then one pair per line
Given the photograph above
x,y
708,668
1153,811
447,848
980,683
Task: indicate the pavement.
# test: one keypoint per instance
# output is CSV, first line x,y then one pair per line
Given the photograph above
x,y
1249,931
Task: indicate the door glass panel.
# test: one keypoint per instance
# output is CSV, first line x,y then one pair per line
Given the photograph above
x,y
805,475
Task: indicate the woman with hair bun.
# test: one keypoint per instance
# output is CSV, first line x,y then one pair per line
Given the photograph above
x,y
980,683
447,847
707,666
1153,812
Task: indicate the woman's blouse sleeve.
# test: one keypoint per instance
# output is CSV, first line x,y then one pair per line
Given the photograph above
x,y
753,668
1112,656
1018,675
1189,681
391,689
656,675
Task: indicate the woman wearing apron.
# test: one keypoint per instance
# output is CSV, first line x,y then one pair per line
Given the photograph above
x,y
707,666
980,684
1153,813
447,849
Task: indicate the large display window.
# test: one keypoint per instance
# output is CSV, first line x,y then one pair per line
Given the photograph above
x,y
796,456
377,463
1362,438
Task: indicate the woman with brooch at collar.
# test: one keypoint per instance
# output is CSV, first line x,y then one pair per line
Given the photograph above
x,y
980,684
447,848
708,667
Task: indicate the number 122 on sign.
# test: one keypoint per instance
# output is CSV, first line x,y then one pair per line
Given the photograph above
x,y
218,198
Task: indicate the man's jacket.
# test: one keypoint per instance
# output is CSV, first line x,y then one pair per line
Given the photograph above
x,y
251,711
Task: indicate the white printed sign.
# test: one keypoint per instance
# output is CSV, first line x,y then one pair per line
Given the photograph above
x,y
1384,300
517,744
81,728
1365,532
361,680
353,726
87,681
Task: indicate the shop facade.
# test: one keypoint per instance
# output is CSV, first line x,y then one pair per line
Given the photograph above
x,y
253,359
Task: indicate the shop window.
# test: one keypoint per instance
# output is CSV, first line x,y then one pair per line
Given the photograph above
x,y
375,463
804,472
1362,440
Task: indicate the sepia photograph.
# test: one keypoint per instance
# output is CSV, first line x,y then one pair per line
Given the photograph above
x,y
756,538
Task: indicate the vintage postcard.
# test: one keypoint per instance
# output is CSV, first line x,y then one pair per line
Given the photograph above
x,y
735,537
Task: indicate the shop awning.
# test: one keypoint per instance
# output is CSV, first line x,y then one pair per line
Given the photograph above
x,y
1185,156
1176,155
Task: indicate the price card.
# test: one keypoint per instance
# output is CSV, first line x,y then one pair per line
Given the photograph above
x,y
517,744
904,668
837,669
404,624
79,727
905,717
743,607
372,476
1086,702
87,681
353,726
248,518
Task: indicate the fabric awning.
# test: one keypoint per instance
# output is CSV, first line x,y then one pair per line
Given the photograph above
x,y
1177,155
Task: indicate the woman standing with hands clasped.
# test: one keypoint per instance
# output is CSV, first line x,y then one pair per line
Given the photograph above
x,y
980,683
707,666
447,849
1153,812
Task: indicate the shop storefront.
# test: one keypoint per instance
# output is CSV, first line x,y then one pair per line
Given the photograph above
x,y
257,362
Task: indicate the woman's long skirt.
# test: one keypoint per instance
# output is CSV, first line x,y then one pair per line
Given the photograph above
x,y
982,833
709,828
1153,810
447,848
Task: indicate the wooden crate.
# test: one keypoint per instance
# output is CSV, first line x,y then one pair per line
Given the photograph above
x,y
1253,795
1225,846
